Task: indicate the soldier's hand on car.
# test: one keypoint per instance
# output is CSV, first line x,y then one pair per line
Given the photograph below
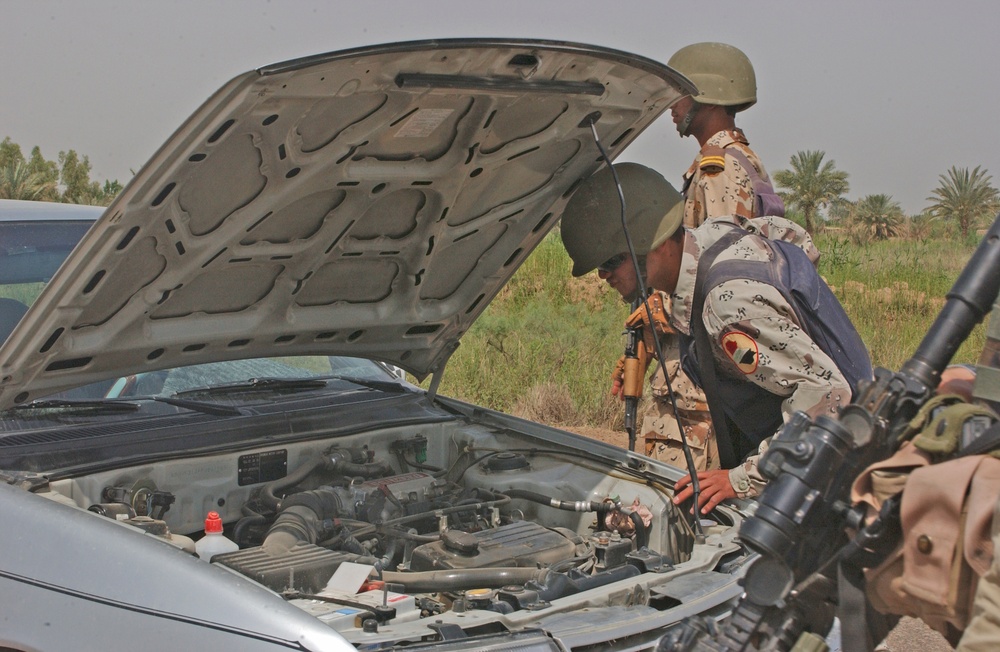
x,y
715,487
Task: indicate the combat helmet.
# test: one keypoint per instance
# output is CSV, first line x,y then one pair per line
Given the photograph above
x,y
591,224
723,74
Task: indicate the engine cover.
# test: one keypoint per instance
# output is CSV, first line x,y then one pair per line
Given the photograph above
x,y
519,544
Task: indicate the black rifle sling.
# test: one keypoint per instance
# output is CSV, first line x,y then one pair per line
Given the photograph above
x,y
705,355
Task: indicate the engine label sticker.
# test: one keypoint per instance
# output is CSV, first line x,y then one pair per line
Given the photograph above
x,y
262,467
423,123
742,350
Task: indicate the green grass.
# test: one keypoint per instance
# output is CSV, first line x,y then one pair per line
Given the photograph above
x,y
893,290
547,330
26,293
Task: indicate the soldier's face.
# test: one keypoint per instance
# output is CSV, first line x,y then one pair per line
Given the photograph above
x,y
621,278
663,265
679,111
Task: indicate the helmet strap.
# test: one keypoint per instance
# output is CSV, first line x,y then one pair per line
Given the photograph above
x,y
684,126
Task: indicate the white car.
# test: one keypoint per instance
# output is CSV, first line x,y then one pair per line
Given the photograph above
x,y
222,340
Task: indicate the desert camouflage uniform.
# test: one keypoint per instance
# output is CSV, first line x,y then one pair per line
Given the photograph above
x,y
716,184
659,427
788,363
983,631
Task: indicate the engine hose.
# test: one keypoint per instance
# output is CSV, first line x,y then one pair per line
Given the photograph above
x,y
641,535
352,545
464,578
268,493
569,505
250,518
301,519
388,559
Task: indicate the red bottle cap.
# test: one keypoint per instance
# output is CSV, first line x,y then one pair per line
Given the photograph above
x,y
213,522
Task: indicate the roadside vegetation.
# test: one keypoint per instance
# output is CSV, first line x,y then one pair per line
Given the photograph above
x,y
36,178
546,345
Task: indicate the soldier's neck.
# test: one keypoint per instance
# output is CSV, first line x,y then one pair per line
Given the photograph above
x,y
714,120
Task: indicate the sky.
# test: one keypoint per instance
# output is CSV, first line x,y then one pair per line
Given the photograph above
x,y
894,92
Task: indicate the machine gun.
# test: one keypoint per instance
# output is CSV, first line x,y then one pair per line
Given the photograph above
x,y
798,530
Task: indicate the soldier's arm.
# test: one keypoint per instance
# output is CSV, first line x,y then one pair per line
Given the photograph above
x,y
726,190
746,478
760,340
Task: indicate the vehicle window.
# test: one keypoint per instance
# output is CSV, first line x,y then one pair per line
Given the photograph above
x,y
31,252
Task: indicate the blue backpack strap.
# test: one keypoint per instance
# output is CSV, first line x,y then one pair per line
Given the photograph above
x,y
766,200
704,357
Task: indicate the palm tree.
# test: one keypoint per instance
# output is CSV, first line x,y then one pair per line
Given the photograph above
x,y
811,183
17,181
965,197
877,217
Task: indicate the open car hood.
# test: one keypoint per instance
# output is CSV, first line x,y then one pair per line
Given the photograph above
x,y
369,202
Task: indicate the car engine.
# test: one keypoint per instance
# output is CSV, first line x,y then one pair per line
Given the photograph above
x,y
371,533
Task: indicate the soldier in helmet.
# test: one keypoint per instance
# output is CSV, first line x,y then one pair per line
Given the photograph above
x,y
755,345
726,178
660,428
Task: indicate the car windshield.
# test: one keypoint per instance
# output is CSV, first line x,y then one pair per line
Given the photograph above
x,y
31,250
243,376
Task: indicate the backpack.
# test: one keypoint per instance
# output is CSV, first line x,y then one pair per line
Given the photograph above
x,y
949,492
755,412
766,200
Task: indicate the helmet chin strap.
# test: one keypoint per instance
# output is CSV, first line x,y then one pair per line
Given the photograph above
x,y
684,126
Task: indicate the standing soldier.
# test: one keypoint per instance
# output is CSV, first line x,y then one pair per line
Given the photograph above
x,y
726,180
727,177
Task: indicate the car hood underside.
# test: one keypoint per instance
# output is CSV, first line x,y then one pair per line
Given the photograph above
x,y
367,203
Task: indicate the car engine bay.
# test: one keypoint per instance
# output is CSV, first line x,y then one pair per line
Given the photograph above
x,y
397,534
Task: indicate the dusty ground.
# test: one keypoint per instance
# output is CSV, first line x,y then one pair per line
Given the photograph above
x,y
607,436
910,634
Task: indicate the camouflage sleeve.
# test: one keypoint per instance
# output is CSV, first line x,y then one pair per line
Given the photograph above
x,y
983,632
728,192
746,478
779,228
759,339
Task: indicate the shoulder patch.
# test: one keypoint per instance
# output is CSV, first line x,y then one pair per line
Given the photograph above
x,y
713,160
742,350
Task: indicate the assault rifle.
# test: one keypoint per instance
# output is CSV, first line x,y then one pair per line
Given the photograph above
x,y
633,375
806,561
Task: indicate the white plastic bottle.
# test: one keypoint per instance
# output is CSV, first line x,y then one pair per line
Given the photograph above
x,y
214,542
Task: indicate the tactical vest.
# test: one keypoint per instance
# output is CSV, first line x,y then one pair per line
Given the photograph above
x,y
751,412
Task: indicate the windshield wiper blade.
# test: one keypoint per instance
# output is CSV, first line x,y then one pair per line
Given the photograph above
x,y
372,383
259,384
214,409
69,405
